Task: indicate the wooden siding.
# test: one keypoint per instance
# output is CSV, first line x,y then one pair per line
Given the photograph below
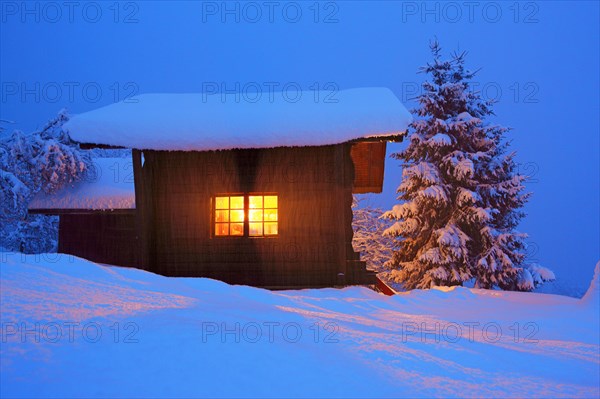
x,y
369,164
314,186
102,237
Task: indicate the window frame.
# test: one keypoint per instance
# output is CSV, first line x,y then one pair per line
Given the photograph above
x,y
213,213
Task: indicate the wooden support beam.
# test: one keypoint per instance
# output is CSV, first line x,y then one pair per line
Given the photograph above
x,y
140,220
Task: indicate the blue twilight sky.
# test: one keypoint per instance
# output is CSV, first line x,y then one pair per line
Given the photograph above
x,y
540,60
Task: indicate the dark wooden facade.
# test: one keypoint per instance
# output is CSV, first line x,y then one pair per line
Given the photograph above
x,y
314,185
171,230
108,237
369,164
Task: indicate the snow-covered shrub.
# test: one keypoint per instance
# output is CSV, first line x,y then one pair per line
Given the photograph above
x,y
533,275
46,160
461,195
374,247
33,234
13,194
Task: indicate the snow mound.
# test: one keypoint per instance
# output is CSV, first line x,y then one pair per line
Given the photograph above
x,y
109,186
225,121
592,296
72,328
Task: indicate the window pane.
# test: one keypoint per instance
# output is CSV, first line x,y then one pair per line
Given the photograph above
x,y
271,215
222,229
256,215
222,216
222,203
270,201
270,228
256,201
237,229
256,229
237,216
230,215
237,202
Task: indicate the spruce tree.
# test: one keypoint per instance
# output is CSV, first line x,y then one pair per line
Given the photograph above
x,y
461,196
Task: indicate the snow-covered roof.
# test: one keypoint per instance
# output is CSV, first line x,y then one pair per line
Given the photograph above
x,y
200,122
108,187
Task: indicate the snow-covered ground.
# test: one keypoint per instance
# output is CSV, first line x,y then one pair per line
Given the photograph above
x,y
118,332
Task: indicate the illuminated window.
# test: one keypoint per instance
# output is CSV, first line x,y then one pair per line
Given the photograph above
x,y
256,213
229,216
262,215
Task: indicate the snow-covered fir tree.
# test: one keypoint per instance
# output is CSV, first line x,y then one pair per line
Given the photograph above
x,y
42,161
461,196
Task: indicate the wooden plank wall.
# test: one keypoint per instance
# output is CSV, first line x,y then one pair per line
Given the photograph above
x,y
314,185
100,237
369,162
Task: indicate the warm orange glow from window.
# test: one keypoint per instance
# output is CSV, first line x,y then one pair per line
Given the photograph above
x,y
271,201
256,201
263,215
230,215
237,202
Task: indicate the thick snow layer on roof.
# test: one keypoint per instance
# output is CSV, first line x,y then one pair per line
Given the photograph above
x,y
199,122
109,186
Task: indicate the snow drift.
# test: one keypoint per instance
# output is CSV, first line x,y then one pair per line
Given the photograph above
x,y
592,296
72,328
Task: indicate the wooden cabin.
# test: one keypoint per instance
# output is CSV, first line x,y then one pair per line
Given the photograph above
x,y
248,193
